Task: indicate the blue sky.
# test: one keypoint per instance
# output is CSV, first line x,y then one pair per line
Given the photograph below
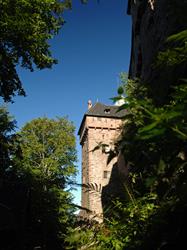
x,y
92,48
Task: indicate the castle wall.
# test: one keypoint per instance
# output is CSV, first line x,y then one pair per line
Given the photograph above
x,y
85,175
96,173
152,22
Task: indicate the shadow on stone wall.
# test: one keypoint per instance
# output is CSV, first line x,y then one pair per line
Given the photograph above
x,y
113,191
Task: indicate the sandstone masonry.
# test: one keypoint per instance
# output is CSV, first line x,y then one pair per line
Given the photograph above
x,y
99,129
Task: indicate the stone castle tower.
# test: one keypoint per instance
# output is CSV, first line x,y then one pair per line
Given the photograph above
x,y
101,124
153,21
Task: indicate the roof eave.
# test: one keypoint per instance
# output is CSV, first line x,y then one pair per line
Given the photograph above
x,y
79,131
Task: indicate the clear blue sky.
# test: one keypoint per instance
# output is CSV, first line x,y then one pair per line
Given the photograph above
x,y
92,48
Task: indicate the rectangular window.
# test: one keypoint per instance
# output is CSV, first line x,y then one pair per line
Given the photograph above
x,y
106,174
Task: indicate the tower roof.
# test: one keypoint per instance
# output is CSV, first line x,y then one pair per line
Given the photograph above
x,y
99,109
102,110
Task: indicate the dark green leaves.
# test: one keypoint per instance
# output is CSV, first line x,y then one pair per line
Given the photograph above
x,y
176,53
120,90
26,27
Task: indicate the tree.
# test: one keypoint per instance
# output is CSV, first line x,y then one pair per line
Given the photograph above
x,y
7,125
10,192
48,148
37,166
47,166
26,27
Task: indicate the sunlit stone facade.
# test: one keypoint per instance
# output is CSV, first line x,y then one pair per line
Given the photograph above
x,y
101,125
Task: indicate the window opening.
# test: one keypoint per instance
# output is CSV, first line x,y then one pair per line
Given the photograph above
x,y
107,111
106,174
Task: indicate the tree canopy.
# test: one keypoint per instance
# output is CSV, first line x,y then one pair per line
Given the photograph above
x,y
48,158
37,166
7,125
26,27
48,148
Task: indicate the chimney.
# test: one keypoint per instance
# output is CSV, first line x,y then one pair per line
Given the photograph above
x,y
89,104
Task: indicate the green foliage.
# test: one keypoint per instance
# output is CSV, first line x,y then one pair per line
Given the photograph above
x,y
26,27
176,54
7,125
48,148
127,224
37,166
154,146
47,164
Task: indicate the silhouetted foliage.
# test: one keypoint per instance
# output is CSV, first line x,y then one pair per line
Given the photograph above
x,y
35,199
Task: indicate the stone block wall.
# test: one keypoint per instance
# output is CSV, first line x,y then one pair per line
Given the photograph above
x,y
96,173
153,21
